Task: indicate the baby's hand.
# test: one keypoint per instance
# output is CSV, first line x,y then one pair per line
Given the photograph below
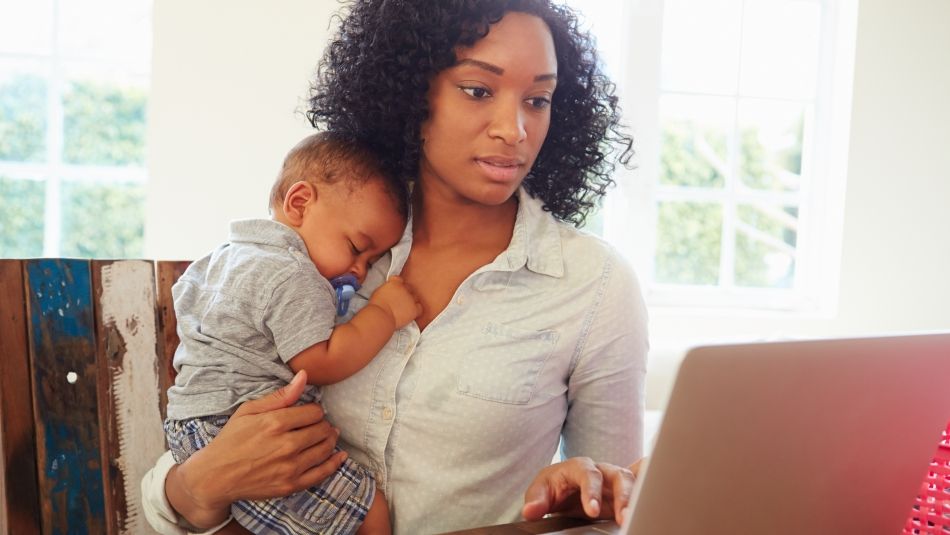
x,y
397,297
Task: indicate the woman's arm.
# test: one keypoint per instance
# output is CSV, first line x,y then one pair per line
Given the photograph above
x,y
605,409
267,449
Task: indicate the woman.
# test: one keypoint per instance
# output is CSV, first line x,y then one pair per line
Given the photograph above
x,y
531,332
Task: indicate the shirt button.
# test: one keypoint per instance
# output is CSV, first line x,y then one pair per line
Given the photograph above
x,y
460,300
387,414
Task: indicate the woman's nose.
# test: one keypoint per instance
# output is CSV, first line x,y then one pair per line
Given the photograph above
x,y
508,123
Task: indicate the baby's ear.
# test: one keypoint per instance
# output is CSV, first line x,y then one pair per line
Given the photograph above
x,y
298,197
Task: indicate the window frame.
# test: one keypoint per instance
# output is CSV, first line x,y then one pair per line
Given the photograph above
x,y
54,172
630,210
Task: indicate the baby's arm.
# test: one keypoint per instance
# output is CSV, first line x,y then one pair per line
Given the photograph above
x,y
353,344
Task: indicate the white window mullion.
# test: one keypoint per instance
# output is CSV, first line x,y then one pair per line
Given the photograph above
x,y
727,259
687,194
52,211
103,174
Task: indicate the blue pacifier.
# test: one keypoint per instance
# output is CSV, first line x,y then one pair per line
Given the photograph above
x,y
346,286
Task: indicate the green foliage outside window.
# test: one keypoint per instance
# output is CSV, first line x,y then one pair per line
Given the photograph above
x,y
21,214
102,220
759,263
23,119
684,160
103,125
760,169
689,234
688,241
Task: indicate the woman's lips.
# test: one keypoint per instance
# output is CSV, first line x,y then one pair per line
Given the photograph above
x,y
501,170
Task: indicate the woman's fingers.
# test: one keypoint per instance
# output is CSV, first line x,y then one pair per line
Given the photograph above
x,y
321,471
538,499
318,447
620,482
580,487
267,449
572,486
297,417
636,467
585,475
259,453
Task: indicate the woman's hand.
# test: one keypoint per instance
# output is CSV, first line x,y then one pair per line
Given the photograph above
x,y
267,449
580,487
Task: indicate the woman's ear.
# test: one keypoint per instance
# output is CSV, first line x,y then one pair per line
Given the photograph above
x,y
298,197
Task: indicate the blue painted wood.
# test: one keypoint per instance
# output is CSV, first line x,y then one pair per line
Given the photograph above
x,y
63,356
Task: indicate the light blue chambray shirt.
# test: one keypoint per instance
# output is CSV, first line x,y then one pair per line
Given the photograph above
x,y
547,341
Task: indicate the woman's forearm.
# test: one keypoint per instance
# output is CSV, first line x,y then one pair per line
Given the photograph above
x,y
268,448
193,504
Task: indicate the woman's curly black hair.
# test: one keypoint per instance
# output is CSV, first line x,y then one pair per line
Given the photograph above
x,y
374,78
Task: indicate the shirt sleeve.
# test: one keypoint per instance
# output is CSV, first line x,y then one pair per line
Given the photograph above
x,y
158,512
606,398
301,312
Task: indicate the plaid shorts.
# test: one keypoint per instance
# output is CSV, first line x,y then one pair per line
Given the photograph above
x,y
337,505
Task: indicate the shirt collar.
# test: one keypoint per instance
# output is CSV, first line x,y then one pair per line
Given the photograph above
x,y
536,240
265,232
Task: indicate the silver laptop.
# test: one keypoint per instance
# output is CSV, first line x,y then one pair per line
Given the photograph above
x,y
795,438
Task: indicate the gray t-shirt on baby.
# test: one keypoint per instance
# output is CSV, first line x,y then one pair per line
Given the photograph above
x,y
243,312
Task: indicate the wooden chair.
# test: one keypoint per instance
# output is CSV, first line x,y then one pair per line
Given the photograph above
x,y
85,360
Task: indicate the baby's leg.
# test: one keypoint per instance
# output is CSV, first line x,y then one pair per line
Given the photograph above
x,y
338,505
377,519
185,437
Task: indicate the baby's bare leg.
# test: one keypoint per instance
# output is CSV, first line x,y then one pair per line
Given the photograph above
x,y
377,519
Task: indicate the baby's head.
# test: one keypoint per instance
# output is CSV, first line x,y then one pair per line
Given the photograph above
x,y
346,207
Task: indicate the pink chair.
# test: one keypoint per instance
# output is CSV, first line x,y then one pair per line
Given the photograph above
x,y
930,514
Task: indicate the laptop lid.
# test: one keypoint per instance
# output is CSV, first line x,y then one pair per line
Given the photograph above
x,y
807,437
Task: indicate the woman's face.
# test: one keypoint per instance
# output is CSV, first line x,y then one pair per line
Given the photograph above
x,y
489,113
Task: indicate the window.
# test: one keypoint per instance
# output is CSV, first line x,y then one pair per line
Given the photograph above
x,y
73,90
740,112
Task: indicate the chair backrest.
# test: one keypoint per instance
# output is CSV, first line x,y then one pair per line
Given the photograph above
x,y
85,360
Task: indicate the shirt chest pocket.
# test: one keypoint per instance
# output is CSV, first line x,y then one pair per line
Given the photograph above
x,y
505,365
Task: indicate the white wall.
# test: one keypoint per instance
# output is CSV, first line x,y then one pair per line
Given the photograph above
x,y
228,76
228,80
896,256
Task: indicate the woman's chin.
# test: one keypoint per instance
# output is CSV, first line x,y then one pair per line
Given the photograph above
x,y
496,194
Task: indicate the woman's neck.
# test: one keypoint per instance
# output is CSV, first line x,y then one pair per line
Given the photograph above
x,y
447,220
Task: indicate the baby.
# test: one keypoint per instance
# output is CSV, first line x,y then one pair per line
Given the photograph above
x,y
260,307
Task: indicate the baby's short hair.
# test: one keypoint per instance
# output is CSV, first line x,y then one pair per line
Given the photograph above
x,y
329,158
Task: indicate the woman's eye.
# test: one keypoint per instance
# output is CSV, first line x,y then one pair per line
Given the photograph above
x,y
476,92
539,103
